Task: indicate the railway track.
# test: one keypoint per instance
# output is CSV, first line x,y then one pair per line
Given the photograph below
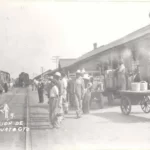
x,y
17,102
37,121
28,134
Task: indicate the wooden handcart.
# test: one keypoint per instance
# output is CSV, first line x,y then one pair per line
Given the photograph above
x,y
129,98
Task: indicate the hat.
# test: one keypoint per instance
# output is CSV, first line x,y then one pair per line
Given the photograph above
x,y
58,74
78,72
86,76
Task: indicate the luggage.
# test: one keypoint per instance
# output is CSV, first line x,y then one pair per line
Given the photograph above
x,y
135,86
143,86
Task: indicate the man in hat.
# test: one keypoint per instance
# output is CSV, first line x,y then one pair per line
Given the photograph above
x,y
49,86
40,91
54,105
57,78
137,76
78,93
121,76
70,91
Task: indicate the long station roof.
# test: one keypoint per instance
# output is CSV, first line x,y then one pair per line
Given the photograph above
x,y
132,36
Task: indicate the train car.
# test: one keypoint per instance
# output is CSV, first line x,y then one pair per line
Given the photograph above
x,y
24,79
4,77
132,59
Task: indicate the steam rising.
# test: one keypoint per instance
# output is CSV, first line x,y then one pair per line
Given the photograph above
x,y
126,54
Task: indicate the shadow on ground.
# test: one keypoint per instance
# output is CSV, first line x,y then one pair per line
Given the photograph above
x,y
39,121
120,118
39,106
41,127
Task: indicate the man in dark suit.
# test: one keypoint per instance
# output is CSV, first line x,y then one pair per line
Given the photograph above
x,y
40,91
137,77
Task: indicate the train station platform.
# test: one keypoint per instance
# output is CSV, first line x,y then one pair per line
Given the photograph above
x,y
101,129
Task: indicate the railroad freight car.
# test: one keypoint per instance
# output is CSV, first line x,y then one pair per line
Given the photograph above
x,y
4,77
24,79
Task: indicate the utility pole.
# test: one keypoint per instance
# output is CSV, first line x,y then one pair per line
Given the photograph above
x,y
56,60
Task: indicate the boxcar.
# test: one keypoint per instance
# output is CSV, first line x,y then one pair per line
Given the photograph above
x,y
24,79
4,77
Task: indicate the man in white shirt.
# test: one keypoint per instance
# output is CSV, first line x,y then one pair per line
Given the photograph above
x,y
55,104
121,76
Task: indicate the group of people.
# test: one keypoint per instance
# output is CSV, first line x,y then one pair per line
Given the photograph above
x,y
124,78
64,92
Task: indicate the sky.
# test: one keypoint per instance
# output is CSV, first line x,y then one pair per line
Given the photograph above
x,y
31,33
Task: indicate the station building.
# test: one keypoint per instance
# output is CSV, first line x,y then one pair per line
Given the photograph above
x,y
133,48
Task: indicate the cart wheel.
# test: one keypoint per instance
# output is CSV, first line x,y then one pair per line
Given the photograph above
x,y
145,104
125,105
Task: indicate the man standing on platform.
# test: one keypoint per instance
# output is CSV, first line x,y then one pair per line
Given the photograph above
x,y
40,91
54,105
78,93
57,78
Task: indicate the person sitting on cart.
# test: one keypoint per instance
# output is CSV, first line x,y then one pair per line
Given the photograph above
x,y
137,76
121,74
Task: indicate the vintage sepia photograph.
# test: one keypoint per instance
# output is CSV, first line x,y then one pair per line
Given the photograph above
x,y
74,75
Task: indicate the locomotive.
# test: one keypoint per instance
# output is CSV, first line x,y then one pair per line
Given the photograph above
x,y
23,79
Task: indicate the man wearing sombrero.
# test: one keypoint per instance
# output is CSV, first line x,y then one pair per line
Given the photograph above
x,y
54,106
